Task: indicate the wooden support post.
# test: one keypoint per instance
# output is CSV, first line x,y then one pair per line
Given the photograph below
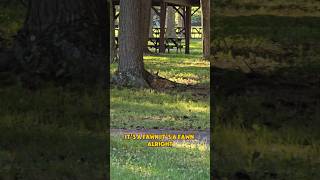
x,y
155,10
187,26
205,5
163,12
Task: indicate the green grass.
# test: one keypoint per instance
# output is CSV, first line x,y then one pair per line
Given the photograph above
x,y
266,154
145,108
48,152
266,102
133,160
49,133
52,133
279,7
131,108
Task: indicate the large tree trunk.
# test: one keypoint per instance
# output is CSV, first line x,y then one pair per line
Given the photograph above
x,y
171,32
64,41
145,23
205,4
131,70
113,49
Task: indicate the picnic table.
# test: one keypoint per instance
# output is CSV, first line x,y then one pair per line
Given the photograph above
x,y
178,30
170,43
196,32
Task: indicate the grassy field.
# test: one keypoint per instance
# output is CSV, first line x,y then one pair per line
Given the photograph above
x,y
144,108
255,7
132,160
52,133
266,88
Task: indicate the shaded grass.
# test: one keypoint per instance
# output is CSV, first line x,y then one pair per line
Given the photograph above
x,y
265,153
266,88
48,152
150,109
52,133
279,7
270,27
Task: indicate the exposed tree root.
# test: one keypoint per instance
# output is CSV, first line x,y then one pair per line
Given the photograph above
x,y
144,80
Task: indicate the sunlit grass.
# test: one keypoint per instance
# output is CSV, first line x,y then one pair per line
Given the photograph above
x,y
131,108
146,108
134,160
149,109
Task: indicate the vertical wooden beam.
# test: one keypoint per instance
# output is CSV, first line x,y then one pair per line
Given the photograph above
x,y
205,5
187,26
163,12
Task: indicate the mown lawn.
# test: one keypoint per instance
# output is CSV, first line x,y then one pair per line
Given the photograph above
x,y
132,108
133,160
52,133
266,90
145,108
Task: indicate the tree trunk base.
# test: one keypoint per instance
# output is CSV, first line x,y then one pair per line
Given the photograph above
x,y
147,80
129,79
146,51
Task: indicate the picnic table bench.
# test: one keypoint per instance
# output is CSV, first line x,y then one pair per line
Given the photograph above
x,y
170,43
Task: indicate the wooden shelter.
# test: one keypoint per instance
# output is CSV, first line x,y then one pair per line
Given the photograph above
x,y
183,7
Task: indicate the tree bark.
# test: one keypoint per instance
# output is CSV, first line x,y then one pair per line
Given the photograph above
x,y
131,70
113,49
145,23
64,41
205,5
171,32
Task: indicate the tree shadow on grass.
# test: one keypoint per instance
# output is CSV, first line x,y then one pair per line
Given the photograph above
x,y
51,153
288,96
